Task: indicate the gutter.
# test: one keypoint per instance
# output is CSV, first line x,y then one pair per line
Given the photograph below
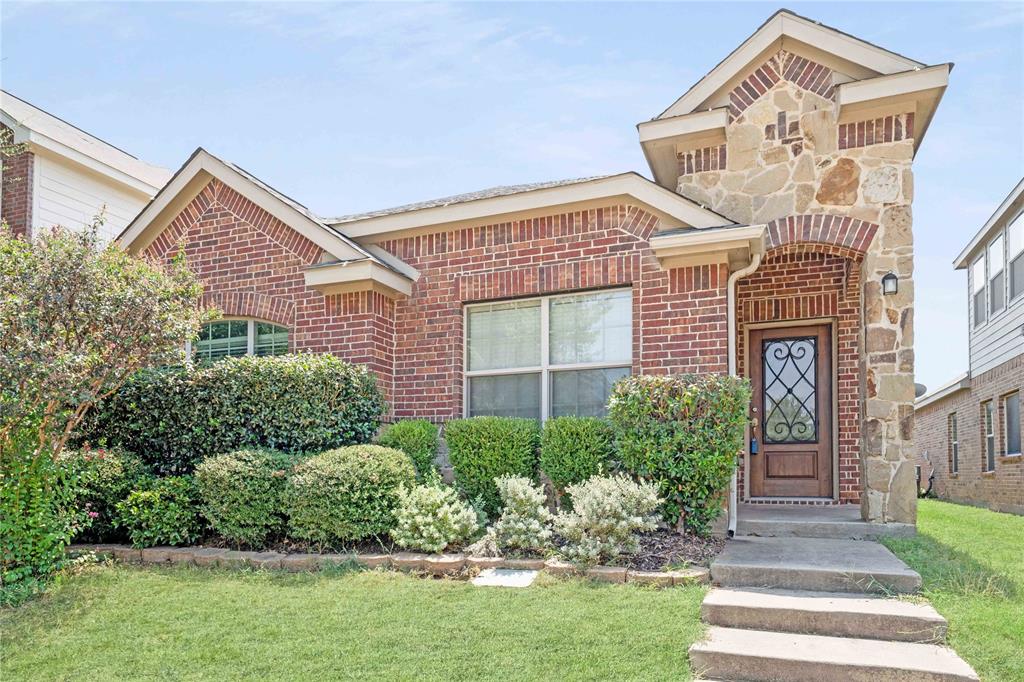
x,y
755,262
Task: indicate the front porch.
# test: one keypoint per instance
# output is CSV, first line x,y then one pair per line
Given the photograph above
x,y
839,521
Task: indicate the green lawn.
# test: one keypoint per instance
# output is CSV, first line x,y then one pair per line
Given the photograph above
x,y
129,623
972,563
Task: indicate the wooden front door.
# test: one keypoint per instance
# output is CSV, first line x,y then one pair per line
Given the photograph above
x,y
791,376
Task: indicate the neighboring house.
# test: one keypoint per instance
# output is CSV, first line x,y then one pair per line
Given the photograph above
x,y
781,201
67,177
969,431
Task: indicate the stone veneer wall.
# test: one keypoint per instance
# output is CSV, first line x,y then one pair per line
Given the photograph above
x,y
783,158
1002,489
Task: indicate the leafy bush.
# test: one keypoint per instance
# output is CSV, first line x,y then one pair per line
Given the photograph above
x,y
104,478
416,438
607,512
177,416
432,518
165,512
483,448
242,494
347,494
684,433
572,449
38,518
524,524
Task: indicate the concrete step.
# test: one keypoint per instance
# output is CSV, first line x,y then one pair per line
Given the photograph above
x,y
824,613
818,565
753,655
850,530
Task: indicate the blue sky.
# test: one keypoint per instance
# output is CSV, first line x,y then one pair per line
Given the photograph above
x,y
349,107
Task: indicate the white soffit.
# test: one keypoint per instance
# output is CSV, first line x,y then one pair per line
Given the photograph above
x,y
717,245
348,276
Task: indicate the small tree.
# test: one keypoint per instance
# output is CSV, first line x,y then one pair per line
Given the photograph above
x,y
76,320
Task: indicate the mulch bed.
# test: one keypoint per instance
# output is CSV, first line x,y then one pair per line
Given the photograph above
x,y
665,547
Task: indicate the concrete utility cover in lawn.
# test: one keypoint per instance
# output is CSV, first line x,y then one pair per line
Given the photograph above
x,y
505,577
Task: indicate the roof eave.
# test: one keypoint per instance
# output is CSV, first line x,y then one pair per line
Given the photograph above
x,y
981,237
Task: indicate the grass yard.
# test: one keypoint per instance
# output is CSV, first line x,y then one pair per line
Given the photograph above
x,y
972,563
115,622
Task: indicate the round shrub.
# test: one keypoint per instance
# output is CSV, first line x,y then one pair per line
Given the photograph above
x,y
416,438
572,449
607,513
103,478
242,494
524,524
177,416
432,518
484,448
165,512
346,494
683,433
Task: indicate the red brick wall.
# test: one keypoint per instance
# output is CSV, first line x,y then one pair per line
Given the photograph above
x,y
796,282
251,265
1003,489
17,191
679,315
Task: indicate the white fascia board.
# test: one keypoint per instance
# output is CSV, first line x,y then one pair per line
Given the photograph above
x,y
626,184
362,275
687,124
893,85
783,24
204,161
36,140
982,236
958,384
694,241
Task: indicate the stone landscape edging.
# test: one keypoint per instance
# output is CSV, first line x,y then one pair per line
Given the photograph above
x,y
431,564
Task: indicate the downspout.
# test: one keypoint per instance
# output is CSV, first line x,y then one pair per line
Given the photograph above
x,y
755,262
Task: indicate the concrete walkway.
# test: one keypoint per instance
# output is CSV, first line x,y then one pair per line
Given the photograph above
x,y
795,608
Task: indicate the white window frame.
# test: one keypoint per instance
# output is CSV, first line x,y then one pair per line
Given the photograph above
x,y
954,444
994,260
545,368
1011,256
988,430
250,333
1006,424
983,289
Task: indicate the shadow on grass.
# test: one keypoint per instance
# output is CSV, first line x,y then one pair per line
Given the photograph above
x,y
946,569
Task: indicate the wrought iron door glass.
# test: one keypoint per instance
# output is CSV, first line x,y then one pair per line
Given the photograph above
x,y
790,393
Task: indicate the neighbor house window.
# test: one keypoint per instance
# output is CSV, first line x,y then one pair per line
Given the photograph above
x,y
1011,413
988,436
547,357
954,446
1015,255
996,279
978,290
233,338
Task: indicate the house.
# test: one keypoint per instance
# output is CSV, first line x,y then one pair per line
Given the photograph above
x,y
67,177
968,431
780,203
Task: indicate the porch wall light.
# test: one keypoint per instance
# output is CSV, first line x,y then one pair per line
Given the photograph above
x,y
890,284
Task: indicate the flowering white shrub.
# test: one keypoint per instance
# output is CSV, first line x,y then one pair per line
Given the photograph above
x,y
524,523
607,513
431,518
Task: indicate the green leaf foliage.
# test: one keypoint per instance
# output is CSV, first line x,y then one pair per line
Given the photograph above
x,y
682,432
416,438
103,478
346,494
164,512
484,448
432,518
175,417
572,449
242,494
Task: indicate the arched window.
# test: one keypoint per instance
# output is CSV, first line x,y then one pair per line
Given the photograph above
x,y
232,338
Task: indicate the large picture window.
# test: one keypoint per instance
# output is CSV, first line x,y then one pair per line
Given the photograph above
x,y
547,357
978,291
996,279
233,338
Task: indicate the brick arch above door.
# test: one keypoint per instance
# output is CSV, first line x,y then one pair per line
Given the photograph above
x,y
821,233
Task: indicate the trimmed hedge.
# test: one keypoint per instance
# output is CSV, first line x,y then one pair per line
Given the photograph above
x,y
572,449
416,438
242,494
164,512
347,494
684,433
102,479
484,448
175,417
